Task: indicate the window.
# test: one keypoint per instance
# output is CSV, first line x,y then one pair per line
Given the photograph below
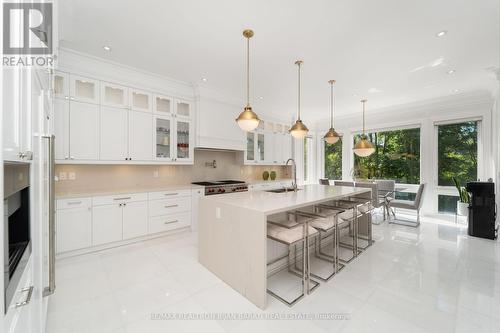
x,y
308,159
396,156
457,157
457,153
333,160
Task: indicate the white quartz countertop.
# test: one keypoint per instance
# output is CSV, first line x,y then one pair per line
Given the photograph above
x,y
271,203
93,193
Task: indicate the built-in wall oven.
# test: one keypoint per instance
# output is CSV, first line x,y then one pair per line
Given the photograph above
x,y
17,228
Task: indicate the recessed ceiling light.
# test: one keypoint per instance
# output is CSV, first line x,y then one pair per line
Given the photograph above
x,y
441,33
451,71
374,90
261,97
455,90
106,48
204,79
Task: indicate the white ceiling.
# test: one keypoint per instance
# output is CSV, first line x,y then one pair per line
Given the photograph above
x,y
385,50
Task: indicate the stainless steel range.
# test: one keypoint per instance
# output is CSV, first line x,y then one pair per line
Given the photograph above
x,y
223,186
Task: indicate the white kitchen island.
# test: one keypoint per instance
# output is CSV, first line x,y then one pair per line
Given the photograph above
x,y
233,232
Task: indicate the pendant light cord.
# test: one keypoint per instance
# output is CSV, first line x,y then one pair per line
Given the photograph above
x,y
363,101
298,64
248,71
332,102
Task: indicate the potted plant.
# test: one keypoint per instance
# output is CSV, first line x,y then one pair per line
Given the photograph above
x,y
464,199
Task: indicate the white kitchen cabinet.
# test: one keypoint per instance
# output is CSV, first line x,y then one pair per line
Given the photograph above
x,y
184,140
83,89
169,222
61,128
140,143
135,219
113,134
114,95
84,131
162,137
60,85
140,100
107,224
183,109
162,104
266,147
74,226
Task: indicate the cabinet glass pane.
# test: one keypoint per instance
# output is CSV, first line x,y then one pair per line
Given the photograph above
x,y
250,146
260,146
183,109
140,100
163,138
113,95
59,84
85,89
183,139
162,104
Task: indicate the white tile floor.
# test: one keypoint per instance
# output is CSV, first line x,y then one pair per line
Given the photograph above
x,y
431,279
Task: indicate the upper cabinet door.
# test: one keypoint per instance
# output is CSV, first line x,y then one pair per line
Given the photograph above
x,y
163,138
114,95
140,143
113,134
140,100
250,151
61,128
61,85
162,104
183,140
84,89
183,109
84,131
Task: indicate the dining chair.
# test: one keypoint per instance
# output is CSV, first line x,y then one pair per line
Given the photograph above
x,y
407,204
324,181
386,188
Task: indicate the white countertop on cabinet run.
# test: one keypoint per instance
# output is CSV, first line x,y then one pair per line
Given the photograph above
x,y
271,203
91,193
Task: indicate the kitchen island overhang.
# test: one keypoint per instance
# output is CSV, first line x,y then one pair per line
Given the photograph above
x,y
233,232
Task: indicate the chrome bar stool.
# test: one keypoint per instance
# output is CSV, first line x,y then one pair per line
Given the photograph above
x,y
365,208
292,233
325,221
347,220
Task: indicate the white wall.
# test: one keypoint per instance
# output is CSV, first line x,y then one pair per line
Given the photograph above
x,y
423,114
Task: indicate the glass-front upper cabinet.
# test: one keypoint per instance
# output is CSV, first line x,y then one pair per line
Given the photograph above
x,y
162,104
61,85
84,89
250,146
163,138
261,153
114,95
183,109
183,140
140,100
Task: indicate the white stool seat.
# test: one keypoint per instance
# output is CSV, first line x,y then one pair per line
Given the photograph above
x,y
288,236
323,224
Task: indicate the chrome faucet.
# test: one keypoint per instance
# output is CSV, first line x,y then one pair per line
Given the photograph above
x,y
294,169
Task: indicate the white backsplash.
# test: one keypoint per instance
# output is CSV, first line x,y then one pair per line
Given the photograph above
x,y
127,177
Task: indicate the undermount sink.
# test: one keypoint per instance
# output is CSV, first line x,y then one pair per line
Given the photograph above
x,y
282,190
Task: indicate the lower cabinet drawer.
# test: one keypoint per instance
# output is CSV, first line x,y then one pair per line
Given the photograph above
x,y
169,222
169,206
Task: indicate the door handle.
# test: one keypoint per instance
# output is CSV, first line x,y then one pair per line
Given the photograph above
x,y
124,198
171,206
49,290
169,222
28,298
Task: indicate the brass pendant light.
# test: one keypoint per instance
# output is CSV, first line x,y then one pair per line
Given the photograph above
x,y
248,120
363,147
299,130
331,136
